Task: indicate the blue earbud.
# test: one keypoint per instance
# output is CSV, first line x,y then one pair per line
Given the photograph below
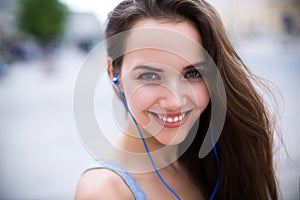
x,y
115,79
116,83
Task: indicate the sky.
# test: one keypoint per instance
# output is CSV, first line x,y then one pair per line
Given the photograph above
x,y
99,7
102,7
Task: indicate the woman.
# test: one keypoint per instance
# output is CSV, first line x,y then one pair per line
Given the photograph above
x,y
147,80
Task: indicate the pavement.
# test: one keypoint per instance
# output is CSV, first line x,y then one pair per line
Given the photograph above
x,y
42,156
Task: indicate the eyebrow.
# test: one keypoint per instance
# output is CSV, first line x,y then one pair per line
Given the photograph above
x,y
193,66
148,68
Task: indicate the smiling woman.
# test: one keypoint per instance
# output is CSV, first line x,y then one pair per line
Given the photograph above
x,y
168,86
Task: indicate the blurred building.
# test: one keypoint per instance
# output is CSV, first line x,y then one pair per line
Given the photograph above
x,y
257,17
83,30
8,32
8,9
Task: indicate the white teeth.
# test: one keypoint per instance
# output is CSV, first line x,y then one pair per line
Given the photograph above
x,y
175,119
170,119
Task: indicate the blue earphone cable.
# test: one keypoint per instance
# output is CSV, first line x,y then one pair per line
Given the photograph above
x,y
115,81
218,166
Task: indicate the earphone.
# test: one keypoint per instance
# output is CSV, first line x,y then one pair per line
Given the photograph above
x,y
116,83
115,79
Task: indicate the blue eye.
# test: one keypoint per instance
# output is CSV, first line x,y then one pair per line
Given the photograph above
x,y
193,75
149,76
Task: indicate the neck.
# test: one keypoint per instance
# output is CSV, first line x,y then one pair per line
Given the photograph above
x,y
131,143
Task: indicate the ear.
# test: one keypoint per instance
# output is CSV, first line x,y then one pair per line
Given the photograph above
x,y
111,70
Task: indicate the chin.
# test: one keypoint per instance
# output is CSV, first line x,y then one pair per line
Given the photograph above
x,y
173,138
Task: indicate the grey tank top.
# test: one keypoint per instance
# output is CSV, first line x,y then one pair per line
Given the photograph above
x,y
122,172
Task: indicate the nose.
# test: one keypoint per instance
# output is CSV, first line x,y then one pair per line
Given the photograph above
x,y
172,100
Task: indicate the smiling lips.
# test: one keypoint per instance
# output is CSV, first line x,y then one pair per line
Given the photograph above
x,y
171,120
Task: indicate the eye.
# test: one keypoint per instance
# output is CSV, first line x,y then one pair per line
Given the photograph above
x,y
193,75
148,76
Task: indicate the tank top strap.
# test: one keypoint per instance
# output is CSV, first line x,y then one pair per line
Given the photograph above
x,y
122,172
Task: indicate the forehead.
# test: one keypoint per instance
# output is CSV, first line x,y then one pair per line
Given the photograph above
x,y
185,28
162,43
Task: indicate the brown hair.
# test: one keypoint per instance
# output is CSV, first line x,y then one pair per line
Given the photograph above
x,y
245,145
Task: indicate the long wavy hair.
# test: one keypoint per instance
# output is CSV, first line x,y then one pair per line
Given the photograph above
x,y
246,142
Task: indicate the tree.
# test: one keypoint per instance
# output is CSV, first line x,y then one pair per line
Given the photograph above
x,y
43,19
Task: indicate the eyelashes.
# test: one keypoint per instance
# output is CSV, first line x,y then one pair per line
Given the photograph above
x,y
191,75
148,76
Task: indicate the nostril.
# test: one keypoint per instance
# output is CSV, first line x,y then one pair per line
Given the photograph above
x,y
171,100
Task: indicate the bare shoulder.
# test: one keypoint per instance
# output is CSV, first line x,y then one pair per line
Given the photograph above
x,y
102,184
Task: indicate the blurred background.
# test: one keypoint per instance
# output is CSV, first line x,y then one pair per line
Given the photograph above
x,y
42,47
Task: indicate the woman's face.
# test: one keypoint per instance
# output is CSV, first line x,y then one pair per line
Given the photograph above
x,y
165,93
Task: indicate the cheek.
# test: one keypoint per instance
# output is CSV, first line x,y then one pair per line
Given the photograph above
x,y
201,96
140,101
